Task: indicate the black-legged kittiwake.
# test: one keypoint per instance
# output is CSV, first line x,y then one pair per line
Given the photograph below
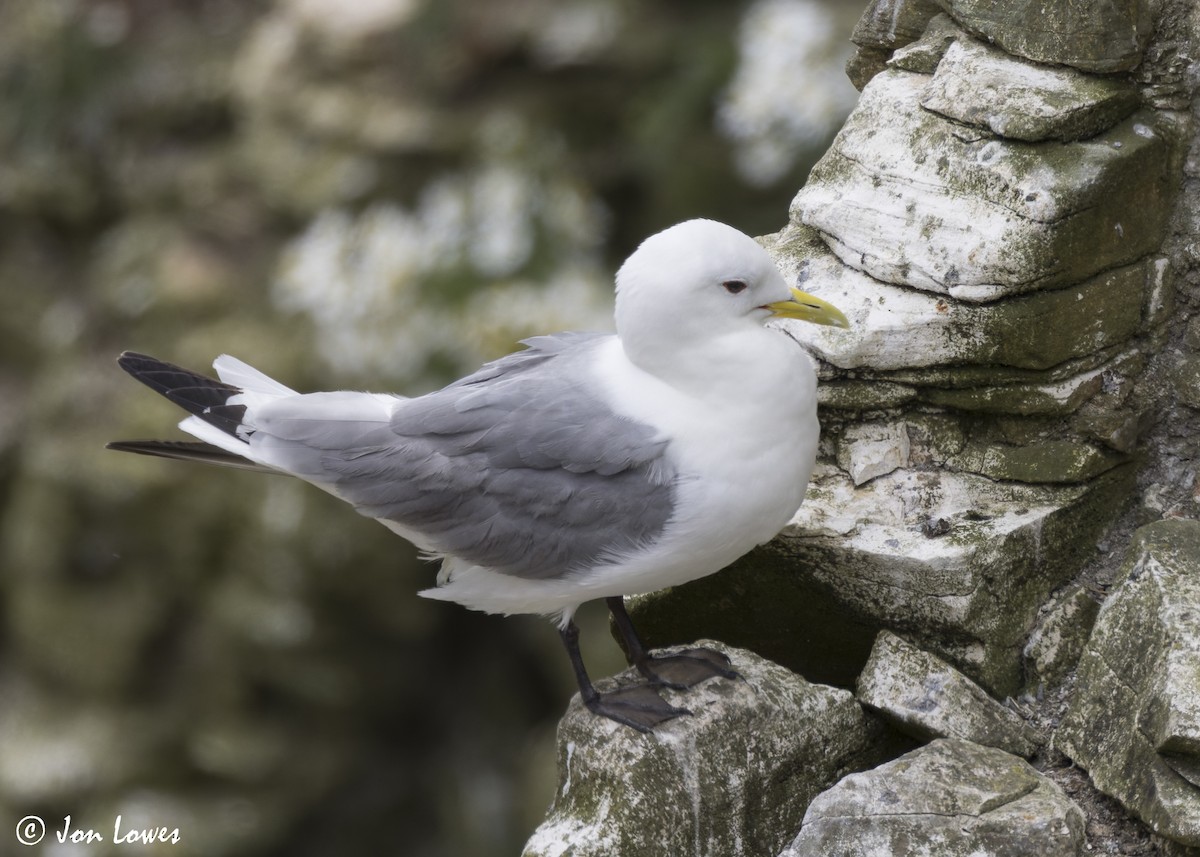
x,y
586,466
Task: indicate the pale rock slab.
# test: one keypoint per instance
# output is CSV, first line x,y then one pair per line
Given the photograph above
x,y
925,697
951,798
957,563
925,53
1091,35
982,85
1134,721
914,199
919,545
868,450
894,327
732,779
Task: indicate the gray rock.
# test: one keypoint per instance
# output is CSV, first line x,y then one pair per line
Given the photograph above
x,y
884,26
951,798
981,85
1092,35
923,696
864,64
1053,461
895,327
1134,721
915,199
1187,381
734,778
958,563
1056,644
1171,848
925,53
868,450
893,23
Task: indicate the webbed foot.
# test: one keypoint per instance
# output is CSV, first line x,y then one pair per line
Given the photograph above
x,y
686,668
638,706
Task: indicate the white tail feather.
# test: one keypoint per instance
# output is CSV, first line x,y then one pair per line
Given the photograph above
x,y
209,433
243,375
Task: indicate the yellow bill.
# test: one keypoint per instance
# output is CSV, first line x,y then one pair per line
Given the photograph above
x,y
808,308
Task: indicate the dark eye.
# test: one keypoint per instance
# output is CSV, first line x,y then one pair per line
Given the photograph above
x,y
734,287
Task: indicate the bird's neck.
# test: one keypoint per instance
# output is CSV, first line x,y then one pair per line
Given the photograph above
x,y
725,368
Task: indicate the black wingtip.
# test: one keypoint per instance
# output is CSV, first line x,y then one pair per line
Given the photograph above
x,y
198,394
182,450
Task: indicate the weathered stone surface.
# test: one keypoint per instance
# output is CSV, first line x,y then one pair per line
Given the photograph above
x,y
957,563
925,53
925,697
981,85
1056,644
884,26
951,798
1066,389
1034,396
892,23
893,327
1053,461
1092,35
864,64
912,198
1187,381
1171,848
1010,449
734,778
1134,722
868,450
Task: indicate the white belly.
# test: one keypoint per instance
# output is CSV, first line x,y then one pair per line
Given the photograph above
x,y
744,466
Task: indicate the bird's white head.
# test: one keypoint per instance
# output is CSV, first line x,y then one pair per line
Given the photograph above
x,y
699,281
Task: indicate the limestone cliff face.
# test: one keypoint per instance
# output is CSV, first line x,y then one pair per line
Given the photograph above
x,y
1009,218
1004,234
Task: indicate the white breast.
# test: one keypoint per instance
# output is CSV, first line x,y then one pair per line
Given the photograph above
x,y
744,442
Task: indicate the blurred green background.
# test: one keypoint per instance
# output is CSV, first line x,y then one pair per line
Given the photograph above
x,y
373,195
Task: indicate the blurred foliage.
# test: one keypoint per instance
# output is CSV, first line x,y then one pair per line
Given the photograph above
x,y
377,194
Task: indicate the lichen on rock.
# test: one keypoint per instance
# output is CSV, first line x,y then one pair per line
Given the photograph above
x,y
733,778
925,697
951,798
1134,721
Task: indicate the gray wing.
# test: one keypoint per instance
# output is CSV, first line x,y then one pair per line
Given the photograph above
x,y
518,467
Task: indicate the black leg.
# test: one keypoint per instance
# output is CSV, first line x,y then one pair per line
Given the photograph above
x,y
635,649
680,670
638,706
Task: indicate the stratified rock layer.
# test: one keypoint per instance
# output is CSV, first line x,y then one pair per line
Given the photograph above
x,y
914,199
1134,722
982,85
1091,35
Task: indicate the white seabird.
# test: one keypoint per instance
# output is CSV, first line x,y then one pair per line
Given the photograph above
x,y
586,466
